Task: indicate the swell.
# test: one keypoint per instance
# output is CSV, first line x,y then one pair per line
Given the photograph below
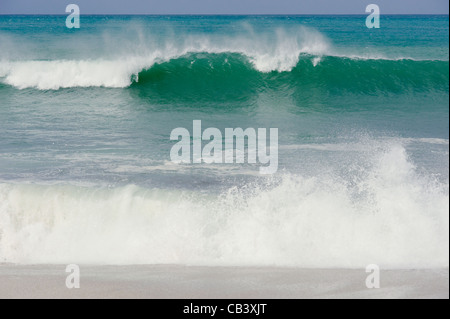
x,y
233,75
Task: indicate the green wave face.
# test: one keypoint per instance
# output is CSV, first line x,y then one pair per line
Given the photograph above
x,y
200,78
232,77
373,76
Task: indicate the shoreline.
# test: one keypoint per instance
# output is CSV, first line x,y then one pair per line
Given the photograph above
x,y
188,282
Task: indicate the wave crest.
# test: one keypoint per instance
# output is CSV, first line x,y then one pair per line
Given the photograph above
x,y
390,215
196,71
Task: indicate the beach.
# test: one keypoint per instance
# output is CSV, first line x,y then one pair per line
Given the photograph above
x,y
179,282
276,156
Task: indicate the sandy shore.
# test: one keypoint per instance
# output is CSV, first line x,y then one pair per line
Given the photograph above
x,y
48,281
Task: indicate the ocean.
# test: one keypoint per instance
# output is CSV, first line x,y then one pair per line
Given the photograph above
x,y
363,123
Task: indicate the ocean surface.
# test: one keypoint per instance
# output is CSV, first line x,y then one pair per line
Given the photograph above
x,y
363,118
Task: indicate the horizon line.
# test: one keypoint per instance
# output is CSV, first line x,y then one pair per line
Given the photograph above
x,y
222,14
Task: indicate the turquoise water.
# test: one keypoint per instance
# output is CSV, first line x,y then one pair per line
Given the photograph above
x,y
362,114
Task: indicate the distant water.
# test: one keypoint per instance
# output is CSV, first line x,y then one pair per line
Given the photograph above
x,y
363,119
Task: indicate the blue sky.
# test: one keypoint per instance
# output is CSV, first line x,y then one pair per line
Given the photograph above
x,y
223,6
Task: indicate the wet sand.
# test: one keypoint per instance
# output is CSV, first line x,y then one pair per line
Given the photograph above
x,y
168,281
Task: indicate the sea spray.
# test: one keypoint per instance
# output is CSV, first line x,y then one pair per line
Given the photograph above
x,y
398,220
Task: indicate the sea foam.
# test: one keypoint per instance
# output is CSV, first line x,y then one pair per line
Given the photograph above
x,y
278,51
391,216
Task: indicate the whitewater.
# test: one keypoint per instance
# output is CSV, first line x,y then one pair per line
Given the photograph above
x,y
85,121
278,51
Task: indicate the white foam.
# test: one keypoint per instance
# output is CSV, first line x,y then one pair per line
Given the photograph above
x,y
438,141
390,216
267,52
362,145
277,50
53,75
